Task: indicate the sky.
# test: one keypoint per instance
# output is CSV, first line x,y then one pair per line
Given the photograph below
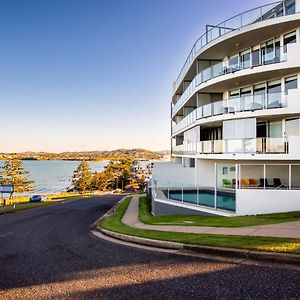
x,y
79,75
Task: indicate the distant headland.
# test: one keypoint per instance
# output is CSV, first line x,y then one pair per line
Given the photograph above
x,y
89,155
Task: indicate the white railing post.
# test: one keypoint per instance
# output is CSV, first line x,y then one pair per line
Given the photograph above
x,y
236,178
182,194
215,186
264,176
290,176
168,190
197,195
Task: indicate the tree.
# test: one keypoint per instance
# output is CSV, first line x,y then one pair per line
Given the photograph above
x,y
82,177
14,173
117,174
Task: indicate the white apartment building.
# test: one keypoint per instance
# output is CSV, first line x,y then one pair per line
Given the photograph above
x,y
235,117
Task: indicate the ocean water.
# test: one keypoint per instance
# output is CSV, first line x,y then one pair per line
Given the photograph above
x,y
53,176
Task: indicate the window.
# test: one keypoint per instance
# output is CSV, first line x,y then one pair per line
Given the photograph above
x,y
292,127
289,38
270,51
291,83
246,91
245,59
274,94
233,63
259,89
234,94
259,92
255,57
274,86
275,129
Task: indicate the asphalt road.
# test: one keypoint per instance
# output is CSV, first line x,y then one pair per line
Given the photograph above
x,y
49,253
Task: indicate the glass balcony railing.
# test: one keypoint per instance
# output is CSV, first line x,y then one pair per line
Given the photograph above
x,y
221,68
258,14
233,105
265,145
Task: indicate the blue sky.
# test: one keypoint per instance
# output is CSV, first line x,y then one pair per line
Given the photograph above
x,y
95,74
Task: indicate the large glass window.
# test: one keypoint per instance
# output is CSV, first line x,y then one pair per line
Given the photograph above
x,y
234,94
255,57
233,63
270,51
245,59
274,94
291,83
259,92
292,127
289,39
246,97
234,103
275,129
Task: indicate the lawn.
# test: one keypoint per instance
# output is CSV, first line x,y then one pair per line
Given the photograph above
x,y
24,203
146,217
22,206
113,223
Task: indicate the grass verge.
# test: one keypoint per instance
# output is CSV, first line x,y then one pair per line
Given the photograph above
x,y
22,206
146,217
113,223
52,199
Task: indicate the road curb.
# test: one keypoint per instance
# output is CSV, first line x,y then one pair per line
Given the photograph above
x,y
282,258
94,225
217,251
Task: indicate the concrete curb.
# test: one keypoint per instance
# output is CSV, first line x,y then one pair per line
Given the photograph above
x,y
94,225
216,251
282,258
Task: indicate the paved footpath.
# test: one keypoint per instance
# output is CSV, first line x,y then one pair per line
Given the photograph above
x,y
286,230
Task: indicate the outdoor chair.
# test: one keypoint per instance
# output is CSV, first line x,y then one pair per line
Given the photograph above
x,y
263,182
252,182
234,183
277,183
226,183
245,182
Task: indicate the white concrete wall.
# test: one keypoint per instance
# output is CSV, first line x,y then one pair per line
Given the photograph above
x,y
205,173
251,202
173,175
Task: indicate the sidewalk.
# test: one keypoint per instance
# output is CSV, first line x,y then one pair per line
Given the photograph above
x,y
285,230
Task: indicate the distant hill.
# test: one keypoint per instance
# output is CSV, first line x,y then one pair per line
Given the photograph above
x,y
89,155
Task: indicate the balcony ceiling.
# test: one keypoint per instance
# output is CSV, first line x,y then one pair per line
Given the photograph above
x,y
244,38
246,80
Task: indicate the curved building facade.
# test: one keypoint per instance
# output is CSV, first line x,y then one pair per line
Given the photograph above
x,y
235,115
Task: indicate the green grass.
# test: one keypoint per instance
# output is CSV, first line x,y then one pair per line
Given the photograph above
x,y
113,223
146,217
22,206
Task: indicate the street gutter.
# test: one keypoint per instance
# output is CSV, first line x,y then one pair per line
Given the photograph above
x,y
282,258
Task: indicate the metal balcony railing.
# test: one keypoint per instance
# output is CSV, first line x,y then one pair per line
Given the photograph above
x,y
258,14
221,68
247,102
265,145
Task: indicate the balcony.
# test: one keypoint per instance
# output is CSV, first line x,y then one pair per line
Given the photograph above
x,y
236,146
233,105
220,69
258,14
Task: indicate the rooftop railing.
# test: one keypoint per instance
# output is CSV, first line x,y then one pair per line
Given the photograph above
x,y
221,68
258,14
247,102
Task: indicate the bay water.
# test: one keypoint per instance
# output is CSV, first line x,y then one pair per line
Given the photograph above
x,y
54,176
